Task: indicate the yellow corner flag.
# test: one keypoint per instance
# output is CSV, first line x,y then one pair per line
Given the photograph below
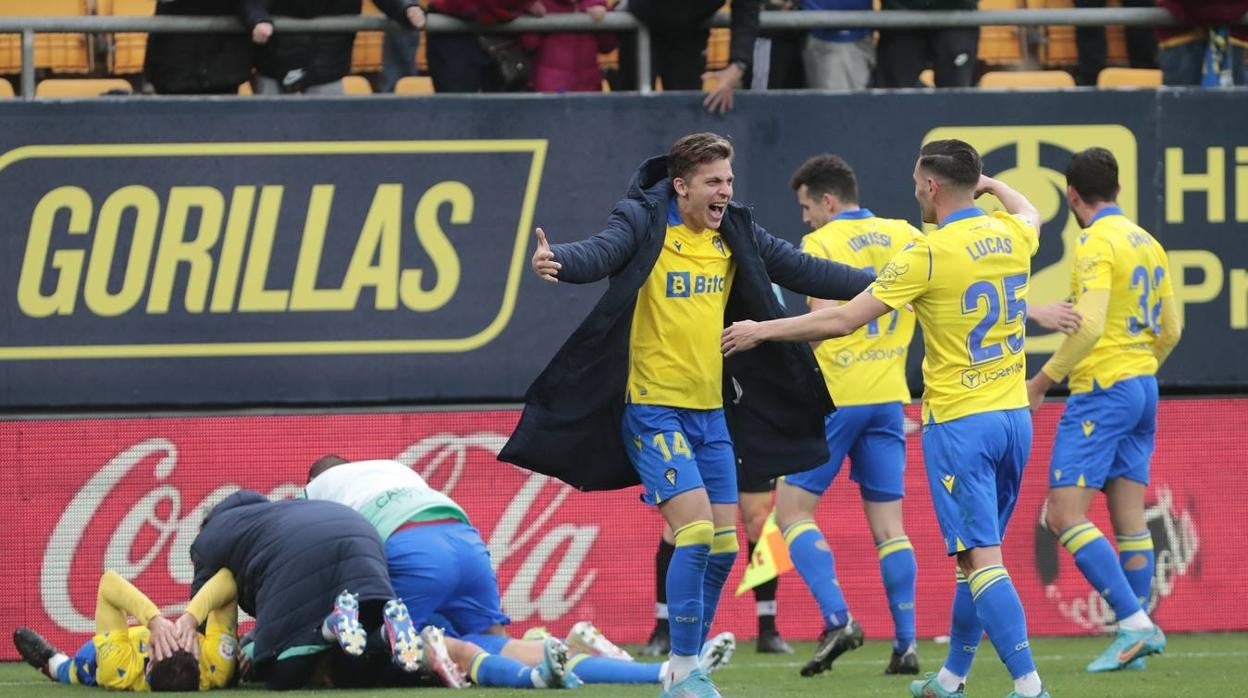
x,y
770,560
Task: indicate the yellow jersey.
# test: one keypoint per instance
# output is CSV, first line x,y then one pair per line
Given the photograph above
x,y
122,657
674,358
869,366
967,281
1116,255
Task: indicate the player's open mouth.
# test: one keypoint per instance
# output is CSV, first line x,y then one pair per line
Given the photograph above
x,y
717,210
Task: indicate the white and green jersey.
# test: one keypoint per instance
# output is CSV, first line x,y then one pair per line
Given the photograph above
x,y
387,493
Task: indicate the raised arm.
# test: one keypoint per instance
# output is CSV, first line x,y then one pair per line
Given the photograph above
x,y
808,275
1014,202
589,260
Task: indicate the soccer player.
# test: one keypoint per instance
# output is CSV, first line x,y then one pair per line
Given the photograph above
x,y
441,568
156,655
967,282
1122,289
866,375
639,391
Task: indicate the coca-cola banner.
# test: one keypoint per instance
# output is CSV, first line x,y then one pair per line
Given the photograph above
x,y
128,494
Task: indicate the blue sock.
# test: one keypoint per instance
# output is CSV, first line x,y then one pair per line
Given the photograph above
x,y
814,561
603,670
724,549
499,671
1001,613
1095,558
1135,556
685,579
965,630
899,571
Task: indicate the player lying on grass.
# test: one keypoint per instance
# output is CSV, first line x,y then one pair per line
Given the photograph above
x,y
156,655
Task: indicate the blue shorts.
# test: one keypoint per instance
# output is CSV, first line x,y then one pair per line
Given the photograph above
x,y
974,469
444,569
676,450
873,437
1106,434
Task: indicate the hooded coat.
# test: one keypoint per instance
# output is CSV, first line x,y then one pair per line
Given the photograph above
x,y
290,559
775,398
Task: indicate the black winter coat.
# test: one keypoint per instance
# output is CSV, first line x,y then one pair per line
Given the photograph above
x,y
775,398
303,60
686,17
197,63
290,559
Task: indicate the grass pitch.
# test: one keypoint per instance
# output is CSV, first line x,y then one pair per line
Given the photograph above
x,y
1193,665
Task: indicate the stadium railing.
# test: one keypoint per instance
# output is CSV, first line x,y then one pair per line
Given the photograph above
x,y
28,27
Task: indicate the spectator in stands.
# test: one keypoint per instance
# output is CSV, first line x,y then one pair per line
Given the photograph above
x,y
1209,49
777,63
1091,45
197,63
678,34
398,56
951,51
478,63
311,63
839,59
568,61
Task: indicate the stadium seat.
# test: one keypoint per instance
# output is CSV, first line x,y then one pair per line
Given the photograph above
x,y
63,53
128,48
1031,79
6,89
1000,46
928,77
244,90
1058,46
366,56
717,48
1128,77
414,85
80,87
356,85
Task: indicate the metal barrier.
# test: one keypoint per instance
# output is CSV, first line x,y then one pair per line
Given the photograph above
x,y
613,21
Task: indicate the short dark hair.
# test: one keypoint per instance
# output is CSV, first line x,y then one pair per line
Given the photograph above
x,y
177,672
1094,174
827,174
952,160
325,463
694,150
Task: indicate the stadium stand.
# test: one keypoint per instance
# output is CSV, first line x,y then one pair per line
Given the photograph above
x,y
414,85
356,85
1000,46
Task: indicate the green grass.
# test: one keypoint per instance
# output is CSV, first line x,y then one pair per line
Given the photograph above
x,y
1193,665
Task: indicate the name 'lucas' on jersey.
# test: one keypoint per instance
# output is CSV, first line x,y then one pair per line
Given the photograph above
x,y
674,357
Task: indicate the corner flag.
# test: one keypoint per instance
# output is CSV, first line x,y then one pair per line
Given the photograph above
x,y
770,558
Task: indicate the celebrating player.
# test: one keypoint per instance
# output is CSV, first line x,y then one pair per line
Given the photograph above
x,y
866,375
1122,289
967,281
638,391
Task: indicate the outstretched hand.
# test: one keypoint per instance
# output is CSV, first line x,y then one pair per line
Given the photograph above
x,y
544,264
1057,317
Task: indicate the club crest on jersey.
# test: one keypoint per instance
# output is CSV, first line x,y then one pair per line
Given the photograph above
x,y
670,476
718,242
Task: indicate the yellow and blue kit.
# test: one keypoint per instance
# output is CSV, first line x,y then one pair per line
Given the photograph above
x,y
674,420
967,282
866,371
117,657
1121,285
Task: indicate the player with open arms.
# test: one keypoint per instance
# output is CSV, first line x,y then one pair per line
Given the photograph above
x,y
638,392
1121,285
967,281
156,655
